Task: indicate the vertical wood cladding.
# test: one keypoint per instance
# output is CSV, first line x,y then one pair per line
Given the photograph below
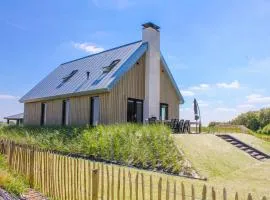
x,y
168,94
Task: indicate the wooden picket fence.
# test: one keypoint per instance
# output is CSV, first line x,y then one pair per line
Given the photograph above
x,y
65,177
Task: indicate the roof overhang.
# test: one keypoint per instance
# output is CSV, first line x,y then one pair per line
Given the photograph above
x,y
90,92
126,66
182,101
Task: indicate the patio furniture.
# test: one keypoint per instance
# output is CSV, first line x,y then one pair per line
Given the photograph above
x,y
187,126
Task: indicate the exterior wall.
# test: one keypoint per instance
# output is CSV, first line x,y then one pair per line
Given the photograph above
x,y
168,94
113,105
131,85
32,113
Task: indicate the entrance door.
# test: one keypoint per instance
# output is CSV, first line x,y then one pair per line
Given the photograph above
x,y
135,110
94,119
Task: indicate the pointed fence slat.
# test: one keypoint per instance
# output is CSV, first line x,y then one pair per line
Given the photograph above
x,y
68,177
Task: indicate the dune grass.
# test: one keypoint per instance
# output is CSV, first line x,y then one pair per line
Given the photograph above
x,y
147,147
11,181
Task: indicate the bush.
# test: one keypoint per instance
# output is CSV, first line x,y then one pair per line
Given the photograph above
x,y
266,130
254,120
149,146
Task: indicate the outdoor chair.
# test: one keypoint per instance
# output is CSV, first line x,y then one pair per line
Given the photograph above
x,y
181,126
152,120
175,125
187,126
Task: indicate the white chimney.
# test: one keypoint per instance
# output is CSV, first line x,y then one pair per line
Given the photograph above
x,y
151,34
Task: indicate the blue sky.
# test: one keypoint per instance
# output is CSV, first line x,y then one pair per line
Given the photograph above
x,y
218,51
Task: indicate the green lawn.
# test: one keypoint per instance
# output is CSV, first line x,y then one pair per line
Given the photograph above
x,y
225,165
253,141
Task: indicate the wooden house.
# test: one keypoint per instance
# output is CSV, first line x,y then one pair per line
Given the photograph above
x,y
129,83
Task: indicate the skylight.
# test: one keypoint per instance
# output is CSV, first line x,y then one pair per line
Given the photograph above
x,y
66,78
111,66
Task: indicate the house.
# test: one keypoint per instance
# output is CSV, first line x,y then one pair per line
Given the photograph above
x,y
18,118
129,83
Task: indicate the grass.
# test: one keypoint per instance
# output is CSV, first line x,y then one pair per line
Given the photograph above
x,y
253,141
10,181
225,165
147,147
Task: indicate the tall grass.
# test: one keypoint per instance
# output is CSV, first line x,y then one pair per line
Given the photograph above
x,y
11,181
149,147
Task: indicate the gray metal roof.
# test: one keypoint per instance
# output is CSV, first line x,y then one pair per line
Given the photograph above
x,y
78,83
17,116
53,85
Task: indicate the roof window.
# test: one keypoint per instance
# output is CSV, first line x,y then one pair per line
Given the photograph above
x,y
66,78
107,69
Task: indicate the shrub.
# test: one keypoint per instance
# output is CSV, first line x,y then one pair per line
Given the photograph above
x,y
266,130
149,146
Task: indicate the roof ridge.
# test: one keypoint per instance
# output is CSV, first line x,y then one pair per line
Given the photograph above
x,y
102,52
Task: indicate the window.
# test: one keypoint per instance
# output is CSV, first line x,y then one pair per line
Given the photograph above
x,y
135,110
164,111
94,111
111,66
65,112
66,78
43,114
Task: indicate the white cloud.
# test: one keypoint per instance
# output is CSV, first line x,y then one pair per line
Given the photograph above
x,y
202,86
203,103
232,85
88,47
257,98
187,93
7,97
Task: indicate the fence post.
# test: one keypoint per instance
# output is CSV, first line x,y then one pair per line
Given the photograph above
x,y
236,196
213,194
112,186
130,185
143,195
224,194
136,186
168,190
159,188
151,188
249,197
11,152
108,183
183,191
174,190
192,192
124,184
118,184
95,183
204,192
31,178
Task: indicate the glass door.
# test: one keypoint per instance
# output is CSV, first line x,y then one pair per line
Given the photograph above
x,y
135,110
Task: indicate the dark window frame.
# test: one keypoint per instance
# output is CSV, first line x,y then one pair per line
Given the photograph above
x,y
166,110
43,114
135,103
64,112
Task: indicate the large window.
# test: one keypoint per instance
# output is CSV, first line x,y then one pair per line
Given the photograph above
x,y
164,111
43,114
135,110
94,111
66,112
